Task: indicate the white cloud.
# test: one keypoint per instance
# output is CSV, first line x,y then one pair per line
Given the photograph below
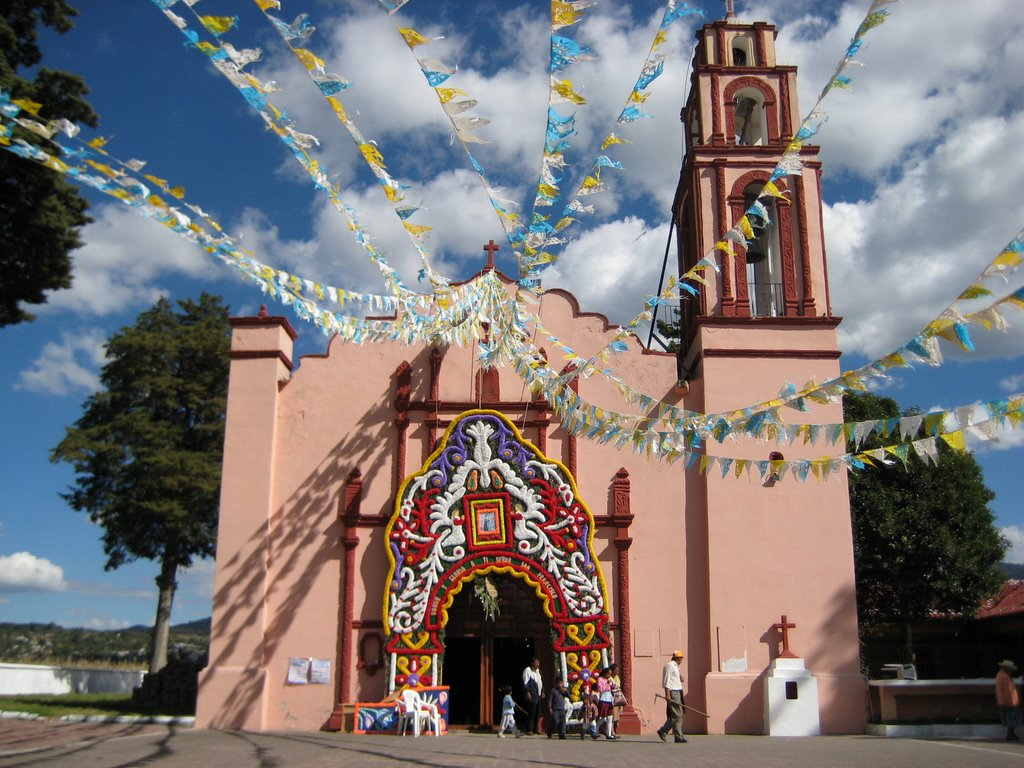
x,y
1006,438
904,255
934,133
1014,534
24,572
393,106
611,268
86,618
122,262
103,623
66,366
1013,383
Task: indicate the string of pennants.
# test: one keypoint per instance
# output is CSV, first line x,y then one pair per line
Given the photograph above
x,y
536,243
330,85
666,446
490,300
231,63
455,315
742,231
755,420
455,102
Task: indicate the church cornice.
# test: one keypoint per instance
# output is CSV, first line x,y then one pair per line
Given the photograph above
x,y
705,155
264,320
766,322
261,354
728,69
804,354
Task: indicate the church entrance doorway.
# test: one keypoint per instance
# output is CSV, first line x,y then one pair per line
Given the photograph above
x,y
482,655
489,508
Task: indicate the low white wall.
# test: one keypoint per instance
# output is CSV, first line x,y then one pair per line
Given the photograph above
x,y
31,678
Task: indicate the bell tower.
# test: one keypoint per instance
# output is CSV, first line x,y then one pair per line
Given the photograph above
x,y
758,548
738,120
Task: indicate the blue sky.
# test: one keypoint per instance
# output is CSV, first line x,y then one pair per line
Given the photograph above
x,y
924,182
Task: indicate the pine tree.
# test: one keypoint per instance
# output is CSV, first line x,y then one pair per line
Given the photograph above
x,y
147,452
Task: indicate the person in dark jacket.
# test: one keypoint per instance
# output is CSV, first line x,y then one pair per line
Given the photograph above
x,y
558,702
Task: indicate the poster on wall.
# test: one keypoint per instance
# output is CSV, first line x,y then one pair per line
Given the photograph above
x,y
298,671
320,671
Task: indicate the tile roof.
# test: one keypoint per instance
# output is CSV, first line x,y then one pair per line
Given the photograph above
x,y
1008,601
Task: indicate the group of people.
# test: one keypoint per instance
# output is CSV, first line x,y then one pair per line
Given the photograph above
x,y
600,709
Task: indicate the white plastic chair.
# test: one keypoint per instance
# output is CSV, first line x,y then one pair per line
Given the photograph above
x,y
411,707
901,671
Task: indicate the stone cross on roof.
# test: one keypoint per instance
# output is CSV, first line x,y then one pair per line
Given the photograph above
x,y
491,249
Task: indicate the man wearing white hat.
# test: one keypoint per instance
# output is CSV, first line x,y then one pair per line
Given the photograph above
x,y
1008,699
672,682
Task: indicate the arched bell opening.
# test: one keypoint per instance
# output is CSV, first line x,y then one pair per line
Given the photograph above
x,y
763,257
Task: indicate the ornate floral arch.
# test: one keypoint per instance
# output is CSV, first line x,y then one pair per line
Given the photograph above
x,y
487,500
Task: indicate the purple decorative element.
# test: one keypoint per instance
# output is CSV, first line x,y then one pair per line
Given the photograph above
x,y
482,460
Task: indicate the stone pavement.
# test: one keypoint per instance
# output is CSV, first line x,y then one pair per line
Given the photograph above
x,y
41,744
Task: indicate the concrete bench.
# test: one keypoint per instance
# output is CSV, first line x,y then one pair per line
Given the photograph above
x,y
933,700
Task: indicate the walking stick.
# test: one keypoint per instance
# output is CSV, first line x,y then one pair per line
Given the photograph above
x,y
685,706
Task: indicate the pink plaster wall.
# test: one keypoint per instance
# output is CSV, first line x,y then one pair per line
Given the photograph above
x,y
777,549
705,554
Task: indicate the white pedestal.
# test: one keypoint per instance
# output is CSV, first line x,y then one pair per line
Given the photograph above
x,y
790,700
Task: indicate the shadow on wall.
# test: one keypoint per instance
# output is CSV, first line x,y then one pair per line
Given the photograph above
x,y
306,523
821,651
834,710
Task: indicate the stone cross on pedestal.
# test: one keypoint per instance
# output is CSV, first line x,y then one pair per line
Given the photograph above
x,y
491,249
790,692
784,626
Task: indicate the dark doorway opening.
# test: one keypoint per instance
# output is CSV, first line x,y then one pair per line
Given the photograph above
x,y
482,655
511,656
462,675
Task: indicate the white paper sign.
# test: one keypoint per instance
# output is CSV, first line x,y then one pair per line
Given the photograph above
x,y
320,671
298,671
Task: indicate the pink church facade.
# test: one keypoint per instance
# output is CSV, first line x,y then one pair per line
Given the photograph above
x,y
319,459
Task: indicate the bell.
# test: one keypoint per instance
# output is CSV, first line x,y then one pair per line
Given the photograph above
x,y
755,254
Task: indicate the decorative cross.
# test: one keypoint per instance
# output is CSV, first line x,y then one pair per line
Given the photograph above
x,y
784,626
491,248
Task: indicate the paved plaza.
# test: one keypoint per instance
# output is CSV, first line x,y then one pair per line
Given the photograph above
x,y
40,744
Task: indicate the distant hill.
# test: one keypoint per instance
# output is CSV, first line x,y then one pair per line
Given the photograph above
x,y
50,643
1013,570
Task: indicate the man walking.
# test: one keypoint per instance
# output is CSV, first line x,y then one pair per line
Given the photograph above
x,y
672,682
1008,699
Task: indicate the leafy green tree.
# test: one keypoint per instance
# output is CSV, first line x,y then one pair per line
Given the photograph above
x,y
924,537
40,213
147,452
669,331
